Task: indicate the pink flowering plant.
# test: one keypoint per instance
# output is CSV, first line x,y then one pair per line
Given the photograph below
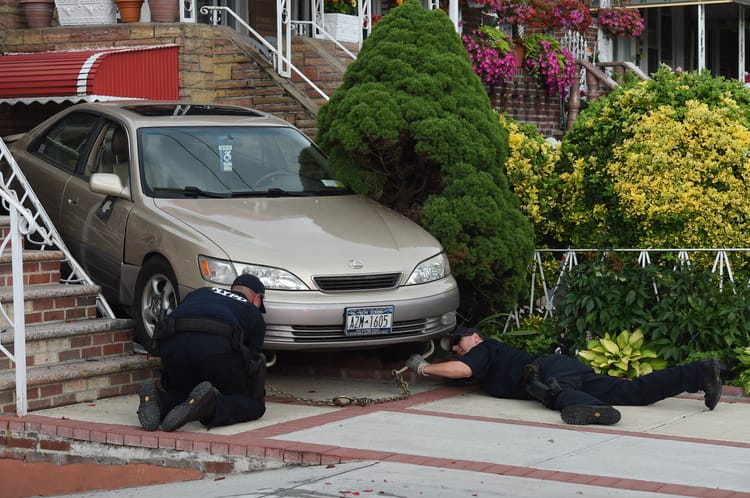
x,y
543,14
490,55
551,65
621,22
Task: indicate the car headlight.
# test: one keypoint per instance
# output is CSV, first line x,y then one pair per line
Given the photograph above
x,y
224,272
435,268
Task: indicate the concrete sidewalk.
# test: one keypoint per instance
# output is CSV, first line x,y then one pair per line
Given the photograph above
x,y
442,441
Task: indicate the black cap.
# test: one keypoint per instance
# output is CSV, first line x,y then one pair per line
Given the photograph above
x,y
452,338
254,284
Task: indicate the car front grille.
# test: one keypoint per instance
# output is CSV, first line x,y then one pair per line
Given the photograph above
x,y
357,282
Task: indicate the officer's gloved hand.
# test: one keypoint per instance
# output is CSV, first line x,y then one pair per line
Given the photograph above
x,y
417,363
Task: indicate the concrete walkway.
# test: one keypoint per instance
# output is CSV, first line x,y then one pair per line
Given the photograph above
x,y
442,441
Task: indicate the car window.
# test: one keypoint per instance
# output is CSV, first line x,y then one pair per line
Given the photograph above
x,y
65,142
110,153
232,160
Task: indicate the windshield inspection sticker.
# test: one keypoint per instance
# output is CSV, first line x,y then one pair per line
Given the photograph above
x,y
225,154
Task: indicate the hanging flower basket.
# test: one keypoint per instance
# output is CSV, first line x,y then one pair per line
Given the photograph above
x,y
621,22
553,66
490,54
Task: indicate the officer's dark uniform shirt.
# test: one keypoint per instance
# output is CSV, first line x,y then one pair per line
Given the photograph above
x,y
498,368
232,308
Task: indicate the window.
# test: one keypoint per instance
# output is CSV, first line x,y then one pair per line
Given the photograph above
x,y
65,142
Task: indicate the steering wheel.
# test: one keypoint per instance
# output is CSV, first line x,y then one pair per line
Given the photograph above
x,y
273,174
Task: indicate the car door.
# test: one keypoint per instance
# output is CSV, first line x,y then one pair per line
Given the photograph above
x,y
54,156
94,224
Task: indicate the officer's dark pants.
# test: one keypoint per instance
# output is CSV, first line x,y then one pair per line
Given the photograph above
x,y
581,386
191,358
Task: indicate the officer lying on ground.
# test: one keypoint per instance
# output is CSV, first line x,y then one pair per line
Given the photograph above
x,y
214,370
563,383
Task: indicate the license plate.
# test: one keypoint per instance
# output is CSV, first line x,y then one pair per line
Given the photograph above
x,y
369,321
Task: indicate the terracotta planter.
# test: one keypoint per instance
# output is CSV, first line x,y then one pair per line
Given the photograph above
x,y
38,12
130,10
164,10
520,52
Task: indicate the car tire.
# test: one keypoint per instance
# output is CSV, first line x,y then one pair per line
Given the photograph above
x,y
156,295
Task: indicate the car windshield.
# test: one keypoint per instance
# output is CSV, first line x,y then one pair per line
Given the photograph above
x,y
232,162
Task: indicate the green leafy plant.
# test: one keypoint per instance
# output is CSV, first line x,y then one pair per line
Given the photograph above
x,y
681,310
621,356
341,7
743,357
534,334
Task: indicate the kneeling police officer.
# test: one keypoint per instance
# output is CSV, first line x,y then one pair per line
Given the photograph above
x,y
213,367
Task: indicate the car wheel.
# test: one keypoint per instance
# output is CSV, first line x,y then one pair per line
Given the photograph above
x,y
155,297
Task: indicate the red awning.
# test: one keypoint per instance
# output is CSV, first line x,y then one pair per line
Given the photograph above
x,y
91,75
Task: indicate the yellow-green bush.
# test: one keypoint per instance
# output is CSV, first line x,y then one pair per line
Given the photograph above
x,y
641,166
684,181
530,168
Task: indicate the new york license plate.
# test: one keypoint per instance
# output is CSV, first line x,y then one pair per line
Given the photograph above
x,y
369,321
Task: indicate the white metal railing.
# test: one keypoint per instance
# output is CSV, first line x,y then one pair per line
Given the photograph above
x,y
29,221
567,259
282,63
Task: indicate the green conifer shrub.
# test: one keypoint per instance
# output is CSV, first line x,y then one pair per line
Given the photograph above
x,y
412,127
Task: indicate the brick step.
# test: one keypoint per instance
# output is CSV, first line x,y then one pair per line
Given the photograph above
x,y
59,342
52,302
39,267
73,382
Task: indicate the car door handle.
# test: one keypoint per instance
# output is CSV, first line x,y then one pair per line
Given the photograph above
x,y
72,202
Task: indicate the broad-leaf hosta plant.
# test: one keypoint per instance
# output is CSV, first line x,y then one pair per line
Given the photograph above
x,y
621,356
743,356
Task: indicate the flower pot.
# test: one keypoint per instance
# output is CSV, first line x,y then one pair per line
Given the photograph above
x,y
520,52
164,10
38,13
343,27
130,10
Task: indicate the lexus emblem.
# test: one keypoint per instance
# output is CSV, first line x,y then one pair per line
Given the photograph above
x,y
356,264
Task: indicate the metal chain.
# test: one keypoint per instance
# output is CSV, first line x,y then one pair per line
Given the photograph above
x,y
343,400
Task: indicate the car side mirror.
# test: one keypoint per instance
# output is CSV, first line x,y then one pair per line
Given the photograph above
x,y
108,184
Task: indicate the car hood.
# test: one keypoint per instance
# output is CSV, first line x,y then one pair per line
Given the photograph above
x,y
308,235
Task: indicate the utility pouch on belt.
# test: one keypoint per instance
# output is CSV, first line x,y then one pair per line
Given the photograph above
x,y
164,328
256,375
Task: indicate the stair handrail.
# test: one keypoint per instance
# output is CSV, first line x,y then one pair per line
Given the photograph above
x,y
26,222
216,17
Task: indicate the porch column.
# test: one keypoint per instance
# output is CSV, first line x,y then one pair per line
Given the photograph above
x,y
741,43
453,14
701,37
604,44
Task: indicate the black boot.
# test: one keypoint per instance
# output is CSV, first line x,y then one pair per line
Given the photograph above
x,y
590,414
199,405
149,409
712,385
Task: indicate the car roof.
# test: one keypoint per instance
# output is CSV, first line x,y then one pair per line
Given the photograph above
x,y
143,113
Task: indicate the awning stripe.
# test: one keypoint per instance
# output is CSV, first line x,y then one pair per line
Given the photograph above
x,y
122,72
